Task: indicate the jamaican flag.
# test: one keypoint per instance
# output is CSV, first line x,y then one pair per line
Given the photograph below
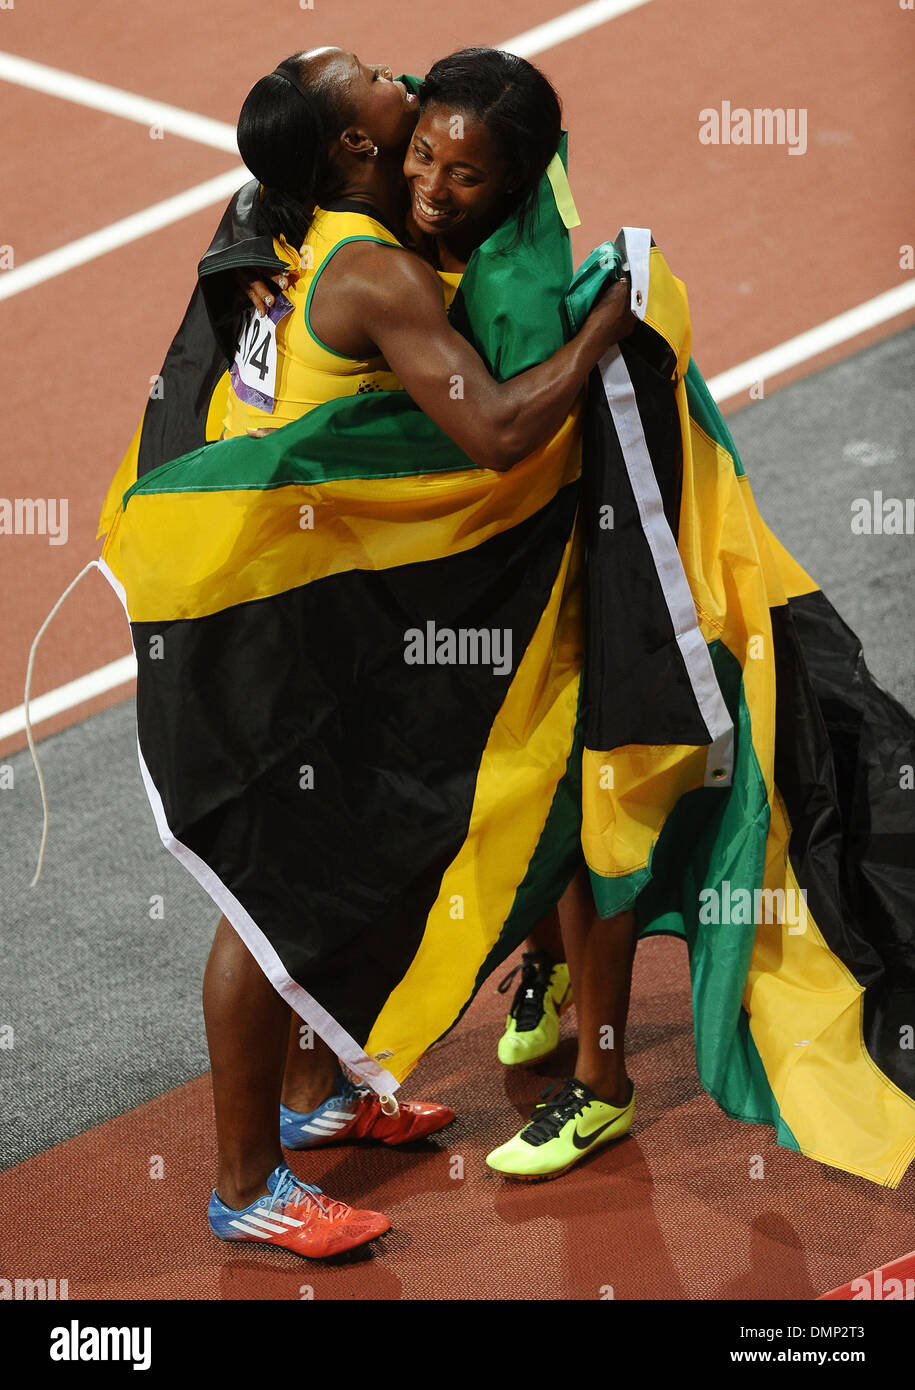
x,y
387,700
780,851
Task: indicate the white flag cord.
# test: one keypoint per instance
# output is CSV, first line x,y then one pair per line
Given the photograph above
x,y
93,564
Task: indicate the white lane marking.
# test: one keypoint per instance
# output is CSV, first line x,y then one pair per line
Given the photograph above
x,y
816,340
132,228
568,26
68,86
68,696
795,351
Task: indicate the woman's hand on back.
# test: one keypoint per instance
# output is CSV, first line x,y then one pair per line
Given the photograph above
x,y
262,293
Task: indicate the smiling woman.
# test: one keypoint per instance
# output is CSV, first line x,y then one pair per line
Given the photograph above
x,y
490,125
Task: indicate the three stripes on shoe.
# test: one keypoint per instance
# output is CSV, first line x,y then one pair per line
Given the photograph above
x,y
264,1223
328,1122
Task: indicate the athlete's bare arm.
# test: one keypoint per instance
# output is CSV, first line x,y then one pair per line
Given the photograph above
x,y
375,299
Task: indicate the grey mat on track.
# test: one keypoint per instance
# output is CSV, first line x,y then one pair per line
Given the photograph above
x,y
814,448
104,998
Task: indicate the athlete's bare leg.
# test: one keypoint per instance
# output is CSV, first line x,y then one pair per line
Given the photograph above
x,y
247,1025
312,1069
599,952
546,937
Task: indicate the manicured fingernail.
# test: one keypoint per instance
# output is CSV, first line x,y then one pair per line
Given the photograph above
x,y
268,298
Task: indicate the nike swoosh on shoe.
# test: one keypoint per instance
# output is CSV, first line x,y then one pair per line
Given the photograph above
x,y
584,1141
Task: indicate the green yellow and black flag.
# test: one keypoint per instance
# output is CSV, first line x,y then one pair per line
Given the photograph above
x,y
387,699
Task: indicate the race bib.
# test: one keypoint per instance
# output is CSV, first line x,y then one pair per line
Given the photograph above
x,y
254,368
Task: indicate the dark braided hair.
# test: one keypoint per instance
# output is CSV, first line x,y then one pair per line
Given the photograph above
x,y
284,130
517,104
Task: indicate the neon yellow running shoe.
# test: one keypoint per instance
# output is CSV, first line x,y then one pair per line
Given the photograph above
x,y
532,1026
563,1130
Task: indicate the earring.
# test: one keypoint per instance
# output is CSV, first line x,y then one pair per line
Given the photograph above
x,y
374,150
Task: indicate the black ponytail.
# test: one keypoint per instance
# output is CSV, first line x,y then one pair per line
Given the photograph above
x,y
518,105
284,130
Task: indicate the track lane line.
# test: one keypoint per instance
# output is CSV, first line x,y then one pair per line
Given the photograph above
x,y
69,86
727,384
568,26
122,233
814,341
69,696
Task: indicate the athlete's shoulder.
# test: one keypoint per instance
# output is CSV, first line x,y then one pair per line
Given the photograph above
x,y
383,272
